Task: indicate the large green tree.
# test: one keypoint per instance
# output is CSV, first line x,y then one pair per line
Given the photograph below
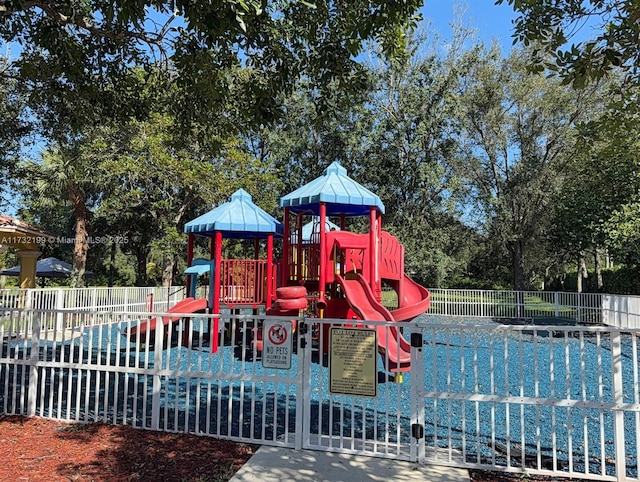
x,y
14,129
517,132
67,175
608,30
406,158
76,57
156,180
395,140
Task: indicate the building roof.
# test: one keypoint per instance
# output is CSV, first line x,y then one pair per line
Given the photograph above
x,y
341,195
238,218
21,235
7,223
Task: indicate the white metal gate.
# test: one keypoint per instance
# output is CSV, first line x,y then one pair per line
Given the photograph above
x,y
378,426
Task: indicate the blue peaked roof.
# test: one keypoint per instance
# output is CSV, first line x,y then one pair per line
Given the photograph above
x,y
340,193
238,218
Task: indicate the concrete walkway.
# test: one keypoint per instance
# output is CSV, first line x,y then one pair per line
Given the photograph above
x,y
278,464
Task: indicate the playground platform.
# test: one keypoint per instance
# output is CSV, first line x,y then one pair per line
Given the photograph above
x,y
281,464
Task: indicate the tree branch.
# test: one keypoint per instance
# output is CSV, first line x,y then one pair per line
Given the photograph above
x,y
86,23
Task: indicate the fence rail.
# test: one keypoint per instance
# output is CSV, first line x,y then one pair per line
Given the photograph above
x,y
128,299
586,308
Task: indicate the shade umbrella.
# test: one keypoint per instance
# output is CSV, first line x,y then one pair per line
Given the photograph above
x,y
48,268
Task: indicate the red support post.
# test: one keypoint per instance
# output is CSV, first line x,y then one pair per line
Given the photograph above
x,y
379,254
373,264
269,288
284,268
299,248
216,290
322,260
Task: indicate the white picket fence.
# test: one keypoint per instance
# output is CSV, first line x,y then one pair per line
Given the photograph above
x,y
481,393
586,308
561,400
128,299
622,311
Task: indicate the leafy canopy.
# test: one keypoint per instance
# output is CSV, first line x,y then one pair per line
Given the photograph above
x,y
552,24
77,54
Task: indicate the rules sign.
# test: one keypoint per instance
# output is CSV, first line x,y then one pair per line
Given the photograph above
x,y
277,344
353,357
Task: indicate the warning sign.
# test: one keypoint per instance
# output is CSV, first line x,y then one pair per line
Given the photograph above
x,y
353,358
278,346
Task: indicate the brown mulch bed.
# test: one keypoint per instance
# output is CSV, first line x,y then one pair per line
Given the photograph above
x,y
41,450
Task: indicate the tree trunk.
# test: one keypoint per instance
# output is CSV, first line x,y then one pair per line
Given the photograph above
x,y
518,265
167,271
598,270
582,273
81,243
142,254
518,277
112,264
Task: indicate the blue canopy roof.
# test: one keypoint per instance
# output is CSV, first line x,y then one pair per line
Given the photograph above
x,y
340,193
238,218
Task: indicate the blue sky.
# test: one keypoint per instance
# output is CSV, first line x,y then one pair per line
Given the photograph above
x,y
492,22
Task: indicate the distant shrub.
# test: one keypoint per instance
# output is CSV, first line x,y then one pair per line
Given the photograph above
x,y
619,280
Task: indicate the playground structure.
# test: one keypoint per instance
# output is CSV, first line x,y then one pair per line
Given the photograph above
x,y
331,272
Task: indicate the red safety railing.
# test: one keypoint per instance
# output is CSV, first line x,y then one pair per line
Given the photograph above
x,y
244,281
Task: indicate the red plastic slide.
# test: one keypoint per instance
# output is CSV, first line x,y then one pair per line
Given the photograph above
x,y
395,350
413,299
188,305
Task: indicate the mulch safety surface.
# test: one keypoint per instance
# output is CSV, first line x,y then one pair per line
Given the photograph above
x,y
42,450
36,449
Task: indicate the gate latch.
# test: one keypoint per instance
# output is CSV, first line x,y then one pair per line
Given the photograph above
x,y
417,430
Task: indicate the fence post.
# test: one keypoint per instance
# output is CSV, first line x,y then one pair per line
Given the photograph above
x,y
417,448
519,304
618,398
28,302
446,303
579,307
32,391
94,302
303,382
157,384
59,308
556,302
